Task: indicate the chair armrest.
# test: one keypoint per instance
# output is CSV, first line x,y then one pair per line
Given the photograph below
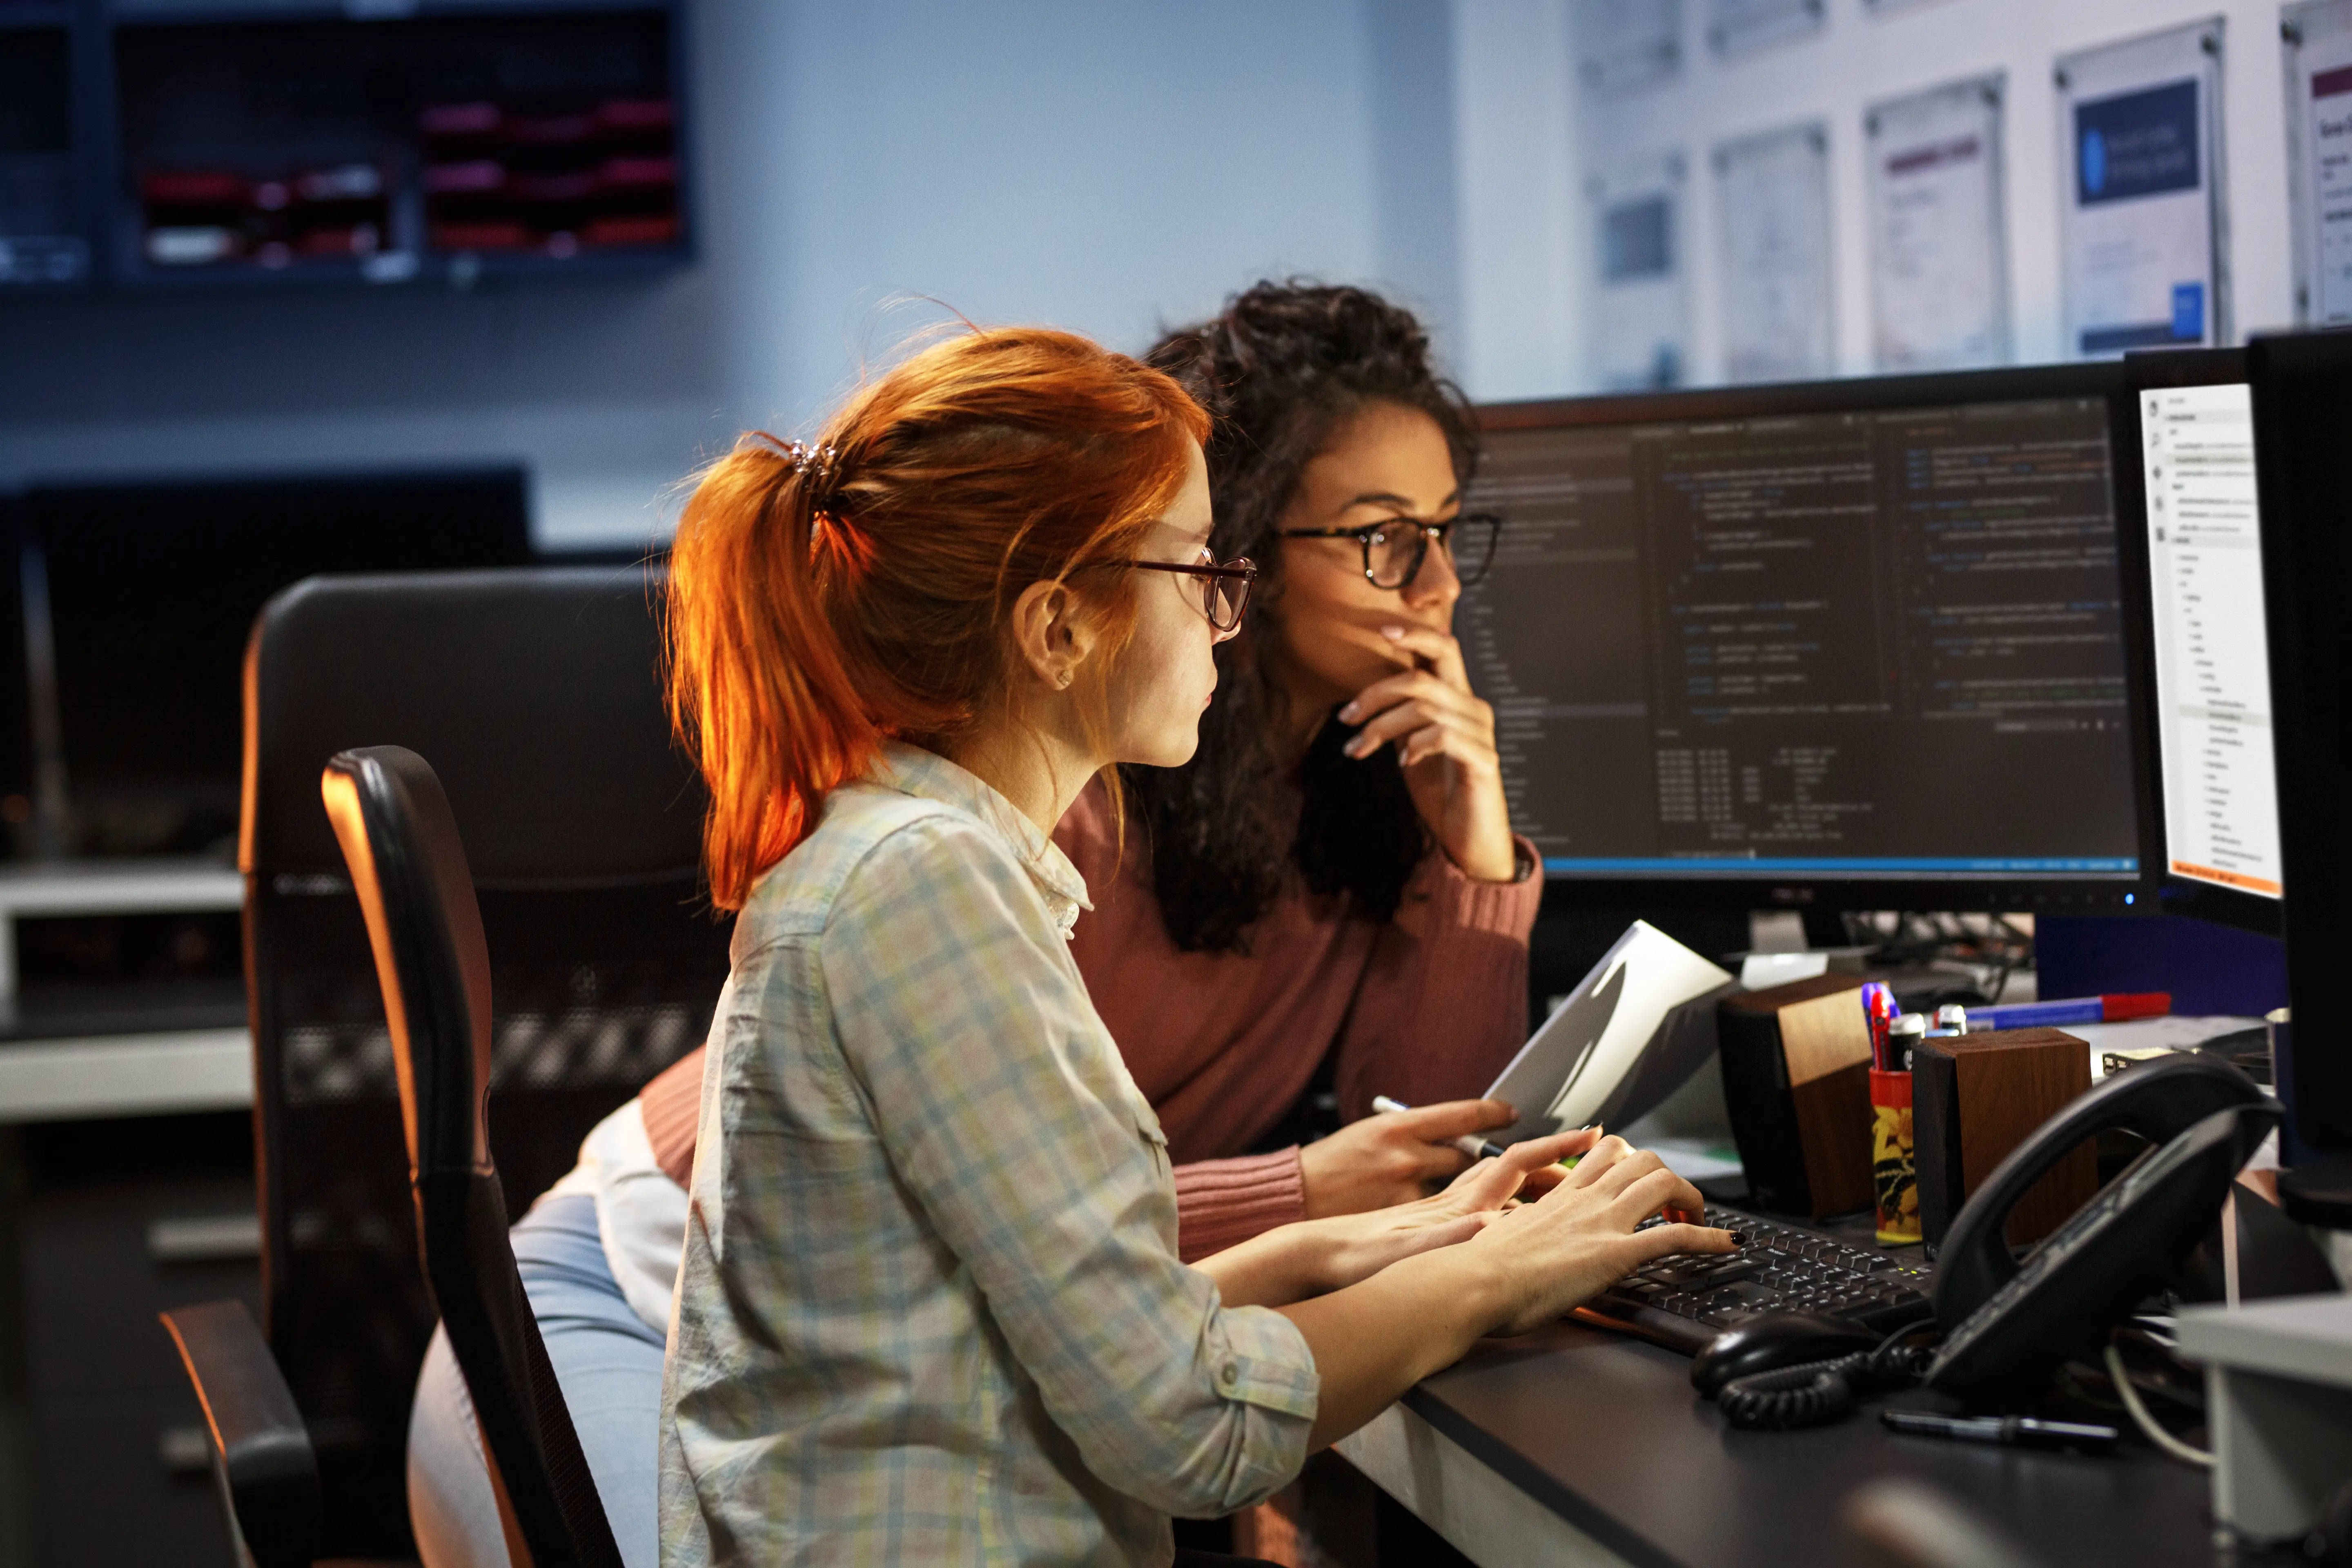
x,y
261,1452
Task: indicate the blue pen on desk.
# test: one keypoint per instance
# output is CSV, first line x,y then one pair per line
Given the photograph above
x,y
2113,1008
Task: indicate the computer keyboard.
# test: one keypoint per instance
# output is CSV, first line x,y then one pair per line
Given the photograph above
x,y
1684,1301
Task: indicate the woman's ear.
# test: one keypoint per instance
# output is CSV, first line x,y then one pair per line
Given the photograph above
x,y
1054,631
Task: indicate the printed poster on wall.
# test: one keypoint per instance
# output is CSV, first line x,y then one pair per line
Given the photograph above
x,y
1625,46
1735,27
1939,247
2318,60
1641,288
1772,194
2142,213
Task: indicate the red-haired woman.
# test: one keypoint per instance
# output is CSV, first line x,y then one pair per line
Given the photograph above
x,y
931,1308
1282,903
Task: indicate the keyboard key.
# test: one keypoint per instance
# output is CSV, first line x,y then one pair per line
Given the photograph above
x,y
1782,1268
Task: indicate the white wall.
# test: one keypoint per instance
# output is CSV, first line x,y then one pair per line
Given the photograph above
x,y
1110,167
1526,272
1113,167
1107,168
1522,322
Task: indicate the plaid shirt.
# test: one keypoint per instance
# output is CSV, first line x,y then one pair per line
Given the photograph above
x,y
930,1310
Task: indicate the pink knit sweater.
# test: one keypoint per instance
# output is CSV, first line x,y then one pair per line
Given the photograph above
x,y
1426,1006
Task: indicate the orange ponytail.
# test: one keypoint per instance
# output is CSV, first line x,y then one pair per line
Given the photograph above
x,y
818,607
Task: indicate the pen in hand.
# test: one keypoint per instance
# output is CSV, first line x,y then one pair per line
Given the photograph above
x,y
1469,1144
1479,1148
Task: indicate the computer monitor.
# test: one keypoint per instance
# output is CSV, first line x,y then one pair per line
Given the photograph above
x,y
148,590
1845,644
2303,411
2192,571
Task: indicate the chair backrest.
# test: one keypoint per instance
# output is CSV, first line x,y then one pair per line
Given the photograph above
x,y
536,692
408,868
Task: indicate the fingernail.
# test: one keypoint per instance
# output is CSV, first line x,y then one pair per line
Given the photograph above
x,y
1392,633
1354,748
1348,714
1738,1238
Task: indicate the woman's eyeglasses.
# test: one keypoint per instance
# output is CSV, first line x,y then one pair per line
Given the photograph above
x,y
1395,547
1224,588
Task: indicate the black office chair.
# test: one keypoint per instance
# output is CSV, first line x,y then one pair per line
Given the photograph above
x,y
409,867
536,691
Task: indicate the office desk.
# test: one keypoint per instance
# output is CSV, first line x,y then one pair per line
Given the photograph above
x,y
1576,1446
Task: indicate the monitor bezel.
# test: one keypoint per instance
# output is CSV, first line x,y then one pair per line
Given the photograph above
x,y
2054,894
2306,557
2174,895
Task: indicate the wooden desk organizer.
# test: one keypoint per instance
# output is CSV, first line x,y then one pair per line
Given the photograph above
x,y
1796,1079
1974,1098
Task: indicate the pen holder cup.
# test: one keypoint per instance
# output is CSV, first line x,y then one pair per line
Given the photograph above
x,y
1894,1173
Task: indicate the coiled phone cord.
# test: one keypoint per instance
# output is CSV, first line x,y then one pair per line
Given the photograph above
x,y
1818,1392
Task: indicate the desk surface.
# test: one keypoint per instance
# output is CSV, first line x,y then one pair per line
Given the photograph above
x,y
1607,1434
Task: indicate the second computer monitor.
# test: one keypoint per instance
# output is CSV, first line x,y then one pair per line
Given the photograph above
x,y
2193,569
1854,643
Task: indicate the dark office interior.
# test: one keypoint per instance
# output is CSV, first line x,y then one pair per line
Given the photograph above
x,y
1891,583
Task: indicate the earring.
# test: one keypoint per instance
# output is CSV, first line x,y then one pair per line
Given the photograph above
x,y
1064,682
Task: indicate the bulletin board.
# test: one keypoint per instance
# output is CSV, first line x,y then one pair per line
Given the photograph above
x,y
1772,195
2318,54
1623,47
1641,282
1938,248
2142,220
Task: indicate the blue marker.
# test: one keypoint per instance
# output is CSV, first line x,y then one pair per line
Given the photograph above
x,y
2113,1008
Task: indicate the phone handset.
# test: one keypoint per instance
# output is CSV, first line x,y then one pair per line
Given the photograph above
x,y
2160,1100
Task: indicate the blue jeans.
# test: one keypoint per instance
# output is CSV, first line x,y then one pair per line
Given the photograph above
x,y
609,1365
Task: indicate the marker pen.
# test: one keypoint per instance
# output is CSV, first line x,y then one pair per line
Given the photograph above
x,y
1470,1143
2111,1008
2007,1431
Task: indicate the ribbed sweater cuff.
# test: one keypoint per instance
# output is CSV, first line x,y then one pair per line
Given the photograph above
x,y
1222,1202
1505,908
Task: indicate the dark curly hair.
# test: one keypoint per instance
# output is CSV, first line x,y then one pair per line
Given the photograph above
x,y
1281,369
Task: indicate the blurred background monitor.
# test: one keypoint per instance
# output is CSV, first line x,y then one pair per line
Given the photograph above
x,y
1851,644
2193,569
136,600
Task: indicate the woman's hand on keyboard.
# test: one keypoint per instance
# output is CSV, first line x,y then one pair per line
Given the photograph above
x,y
1356,1247
1558,1252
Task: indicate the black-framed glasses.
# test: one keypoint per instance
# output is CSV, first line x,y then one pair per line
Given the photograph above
x,y
1224,588
1395,547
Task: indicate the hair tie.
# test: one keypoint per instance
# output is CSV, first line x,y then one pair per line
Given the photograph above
x,y
806,460
813,465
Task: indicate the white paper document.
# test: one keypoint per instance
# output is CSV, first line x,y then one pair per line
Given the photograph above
x,y
2141,215
1641,315
2318,56
1625,46
1735,27
1774,219
1938,250
1572,1068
